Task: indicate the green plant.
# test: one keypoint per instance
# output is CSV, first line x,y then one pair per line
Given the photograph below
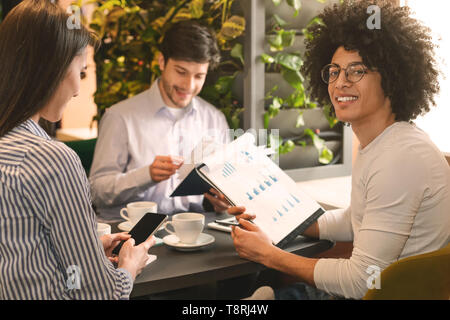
x,y
130,31
289,65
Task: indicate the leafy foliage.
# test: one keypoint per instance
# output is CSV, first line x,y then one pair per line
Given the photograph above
x,y
289,65
131,30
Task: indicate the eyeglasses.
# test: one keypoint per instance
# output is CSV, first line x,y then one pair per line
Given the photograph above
x,y
354,72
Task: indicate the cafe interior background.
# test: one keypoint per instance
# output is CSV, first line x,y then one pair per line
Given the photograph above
x,y
261,43
311,144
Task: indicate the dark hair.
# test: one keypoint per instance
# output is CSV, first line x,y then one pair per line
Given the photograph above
x,y
401,51
189,41
36,49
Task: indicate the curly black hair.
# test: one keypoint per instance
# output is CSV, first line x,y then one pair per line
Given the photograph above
x,y
401,50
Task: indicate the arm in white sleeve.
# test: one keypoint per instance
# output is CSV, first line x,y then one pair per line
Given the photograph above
x,y
336,225
110,182
394,192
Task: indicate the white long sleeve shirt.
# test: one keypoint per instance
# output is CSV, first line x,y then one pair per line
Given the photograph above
x,y
131,134
400,206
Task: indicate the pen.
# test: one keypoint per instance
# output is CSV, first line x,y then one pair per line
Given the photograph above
x,y
228,223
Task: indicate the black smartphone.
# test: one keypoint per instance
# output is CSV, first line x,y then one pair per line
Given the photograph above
x,y
144,228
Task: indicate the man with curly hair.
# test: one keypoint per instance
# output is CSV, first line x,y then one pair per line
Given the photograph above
x,y
378,80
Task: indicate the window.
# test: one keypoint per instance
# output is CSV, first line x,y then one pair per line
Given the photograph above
x,y
434,14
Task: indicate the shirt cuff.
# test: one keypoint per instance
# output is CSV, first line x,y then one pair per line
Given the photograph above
x,y
323,230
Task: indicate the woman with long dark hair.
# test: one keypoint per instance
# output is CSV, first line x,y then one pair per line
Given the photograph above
x,y
49,248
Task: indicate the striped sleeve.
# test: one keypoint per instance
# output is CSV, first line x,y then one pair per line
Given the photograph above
x,y
53,180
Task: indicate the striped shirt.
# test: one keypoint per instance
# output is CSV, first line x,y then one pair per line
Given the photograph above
x,y
49,248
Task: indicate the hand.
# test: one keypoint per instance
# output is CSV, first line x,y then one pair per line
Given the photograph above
x,y
238,212
163,167
250,242
217,200
134,258
110,241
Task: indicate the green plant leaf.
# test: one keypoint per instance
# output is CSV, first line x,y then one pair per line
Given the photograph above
x,y
237,52
115,88
149,35
294,78
273,110
224,84
290,61
282,40
278,21
287,147
296,4
302,143
300,121
232,28
326,156
275,106
196,8
276,2
266,120
265,58
269,95
332,121
297,98
318,142
315,20
276,42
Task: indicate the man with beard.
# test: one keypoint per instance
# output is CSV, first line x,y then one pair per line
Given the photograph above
x,y
145,139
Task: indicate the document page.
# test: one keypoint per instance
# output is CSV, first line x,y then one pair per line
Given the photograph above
x,y
248,177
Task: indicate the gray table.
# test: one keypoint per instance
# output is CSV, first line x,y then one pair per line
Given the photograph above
x,y
176,269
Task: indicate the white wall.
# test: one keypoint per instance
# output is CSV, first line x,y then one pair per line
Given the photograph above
x,y
434,14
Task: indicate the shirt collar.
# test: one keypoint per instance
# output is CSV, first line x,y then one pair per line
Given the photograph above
x,y
34,128
157,103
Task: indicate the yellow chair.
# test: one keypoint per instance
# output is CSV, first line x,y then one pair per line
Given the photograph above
x,y
422,277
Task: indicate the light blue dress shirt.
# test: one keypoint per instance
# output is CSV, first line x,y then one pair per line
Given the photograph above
x,y
131,134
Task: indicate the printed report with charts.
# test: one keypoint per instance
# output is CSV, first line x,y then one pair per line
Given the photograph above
x,y
247,177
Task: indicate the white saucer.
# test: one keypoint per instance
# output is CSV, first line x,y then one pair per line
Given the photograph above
x,y
125,226
203,240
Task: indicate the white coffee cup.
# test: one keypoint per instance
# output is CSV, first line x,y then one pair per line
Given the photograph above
x,y
136,210
103,228
187,226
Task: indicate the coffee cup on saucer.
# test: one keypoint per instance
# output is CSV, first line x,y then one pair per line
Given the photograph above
x,y
103,228
136,210
187,226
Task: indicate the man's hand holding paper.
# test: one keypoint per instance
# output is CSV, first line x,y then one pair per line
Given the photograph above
x,y
163,167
